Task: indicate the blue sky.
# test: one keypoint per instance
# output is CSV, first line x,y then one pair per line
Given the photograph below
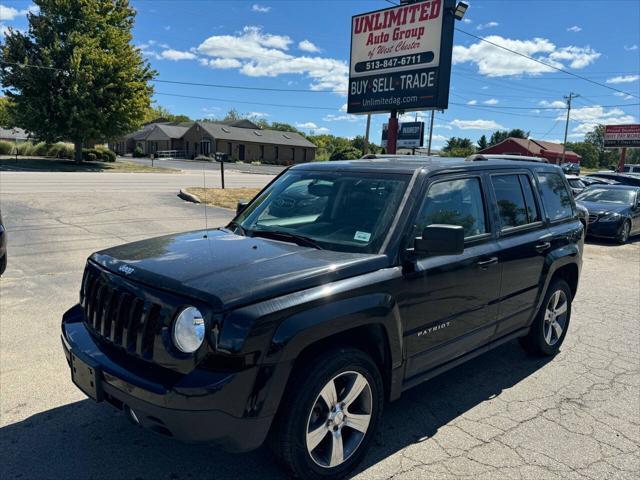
x,y
305,45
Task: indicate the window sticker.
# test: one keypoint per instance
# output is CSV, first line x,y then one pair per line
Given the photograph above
x,y
362,236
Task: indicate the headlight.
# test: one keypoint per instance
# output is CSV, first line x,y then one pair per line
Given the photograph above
x,y
612,217
188,330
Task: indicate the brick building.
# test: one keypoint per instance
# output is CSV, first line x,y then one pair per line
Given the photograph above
x,y
534,148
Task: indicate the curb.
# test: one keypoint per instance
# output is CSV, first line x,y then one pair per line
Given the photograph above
x,y
189,197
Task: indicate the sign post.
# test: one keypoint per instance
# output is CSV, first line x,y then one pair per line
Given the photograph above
x,y
401,60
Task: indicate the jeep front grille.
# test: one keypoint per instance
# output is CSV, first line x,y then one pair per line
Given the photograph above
x,y
119,317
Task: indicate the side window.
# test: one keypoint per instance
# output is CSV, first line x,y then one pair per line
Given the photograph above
x,y
455,202
555,197
515,199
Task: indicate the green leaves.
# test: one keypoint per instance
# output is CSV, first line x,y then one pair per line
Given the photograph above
x,y
82,79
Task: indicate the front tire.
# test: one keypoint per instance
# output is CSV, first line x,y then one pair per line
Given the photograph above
x,y
552,322
3,264
329,415
623,235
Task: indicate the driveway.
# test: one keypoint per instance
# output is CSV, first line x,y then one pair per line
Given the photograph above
x,y
504,415
197,165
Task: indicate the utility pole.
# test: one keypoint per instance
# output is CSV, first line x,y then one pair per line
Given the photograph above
x,y
569,99
392,133
433,112
366,136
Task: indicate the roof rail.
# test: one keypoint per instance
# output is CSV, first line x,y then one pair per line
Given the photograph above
x,y
483,157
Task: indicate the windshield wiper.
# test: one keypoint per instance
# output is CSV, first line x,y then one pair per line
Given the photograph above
x,y
286,236
237,226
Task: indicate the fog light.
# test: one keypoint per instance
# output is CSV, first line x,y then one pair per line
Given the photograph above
x,y
188,330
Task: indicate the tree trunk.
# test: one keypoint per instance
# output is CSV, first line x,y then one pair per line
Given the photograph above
x,y
78,151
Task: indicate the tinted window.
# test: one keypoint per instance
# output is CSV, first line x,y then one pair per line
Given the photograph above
x,y
455,202
516,203
556,198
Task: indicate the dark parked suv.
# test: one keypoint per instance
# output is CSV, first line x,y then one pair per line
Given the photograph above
x,y
299,326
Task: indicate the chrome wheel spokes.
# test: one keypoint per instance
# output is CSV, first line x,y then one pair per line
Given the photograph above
x,y
339,419
555,317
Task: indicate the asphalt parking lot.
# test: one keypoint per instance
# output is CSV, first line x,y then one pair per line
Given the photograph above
x,y
504,415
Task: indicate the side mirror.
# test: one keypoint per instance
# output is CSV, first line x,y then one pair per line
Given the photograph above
x,y
440,240
242,204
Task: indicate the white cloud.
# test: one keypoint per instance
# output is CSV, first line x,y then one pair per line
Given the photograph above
x,y
559,104
624,79
321,131
589,117
467,21
496,62
343,108
484,26
8,14
307,126
476,124
260,8
167,27
574,29
220,63
343,118
472,102
444,126
177,55
258,114
308,46
631,48
264,55
624,96
491,101
437,138
485,87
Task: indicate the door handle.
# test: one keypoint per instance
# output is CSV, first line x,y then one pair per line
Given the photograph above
x,y
484,264
541,247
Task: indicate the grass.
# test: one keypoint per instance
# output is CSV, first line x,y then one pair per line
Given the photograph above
x,y
227,198
57,165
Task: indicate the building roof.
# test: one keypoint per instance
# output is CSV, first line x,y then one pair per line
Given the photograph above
x,y
227,132
13,134
534,147
161,131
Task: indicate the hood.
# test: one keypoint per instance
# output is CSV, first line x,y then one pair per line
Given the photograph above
x,y
227,270
596,208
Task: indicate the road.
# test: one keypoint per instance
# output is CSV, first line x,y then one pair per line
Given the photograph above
x,y
192,165
504,415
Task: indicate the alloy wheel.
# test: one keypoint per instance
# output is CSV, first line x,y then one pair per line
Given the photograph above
x,y
555,317
339,419
624,233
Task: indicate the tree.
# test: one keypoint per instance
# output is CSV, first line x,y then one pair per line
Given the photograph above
x,y
501,135
482,142
348,153
587,151
458,147
6,119
284,127
75,75
159,113
606,158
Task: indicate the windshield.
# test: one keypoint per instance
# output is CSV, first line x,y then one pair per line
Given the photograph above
x,y
346,211
608,195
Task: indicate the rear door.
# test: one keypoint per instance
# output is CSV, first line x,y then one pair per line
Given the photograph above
x,y
524,241
449,302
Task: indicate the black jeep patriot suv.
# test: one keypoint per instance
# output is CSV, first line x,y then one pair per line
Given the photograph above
x,y
335,289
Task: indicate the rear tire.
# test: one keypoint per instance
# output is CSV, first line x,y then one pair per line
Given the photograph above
x,y
552,321
3,264
315,440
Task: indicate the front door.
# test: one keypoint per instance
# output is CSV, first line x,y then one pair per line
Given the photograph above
x,y
241,152
205,147
449,302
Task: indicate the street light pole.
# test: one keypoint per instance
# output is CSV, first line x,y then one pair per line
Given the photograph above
x,y
433,112
366,136
566,127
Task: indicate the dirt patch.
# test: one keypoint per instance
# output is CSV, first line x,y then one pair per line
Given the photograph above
x,y
227,198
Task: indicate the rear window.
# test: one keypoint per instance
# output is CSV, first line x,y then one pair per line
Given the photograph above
x,y
516,203
555,196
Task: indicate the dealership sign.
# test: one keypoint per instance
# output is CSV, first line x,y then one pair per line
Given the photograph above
x,y
401,58
410,135
622,136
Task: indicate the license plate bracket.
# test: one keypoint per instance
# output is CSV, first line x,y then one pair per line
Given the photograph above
x,y
87,377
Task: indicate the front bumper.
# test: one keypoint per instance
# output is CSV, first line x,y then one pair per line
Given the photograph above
x,y
200,407
604,229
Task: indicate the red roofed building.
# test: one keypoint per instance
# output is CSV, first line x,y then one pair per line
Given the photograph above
x,y
533,148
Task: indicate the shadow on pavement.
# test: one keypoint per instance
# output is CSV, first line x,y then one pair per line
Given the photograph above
x,y
85,440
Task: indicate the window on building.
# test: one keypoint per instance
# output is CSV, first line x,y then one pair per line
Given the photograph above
x,y
277,152
514,210
454,202
261,152
230,148
304,155
555,196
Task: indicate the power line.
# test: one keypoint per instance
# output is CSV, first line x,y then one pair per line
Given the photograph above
x,y
239,87
229,100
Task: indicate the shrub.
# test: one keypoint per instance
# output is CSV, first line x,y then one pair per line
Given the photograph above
x,y
25,148
40,149
91,157
348,153
138,152
107,155
61,150
6,148
94,153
